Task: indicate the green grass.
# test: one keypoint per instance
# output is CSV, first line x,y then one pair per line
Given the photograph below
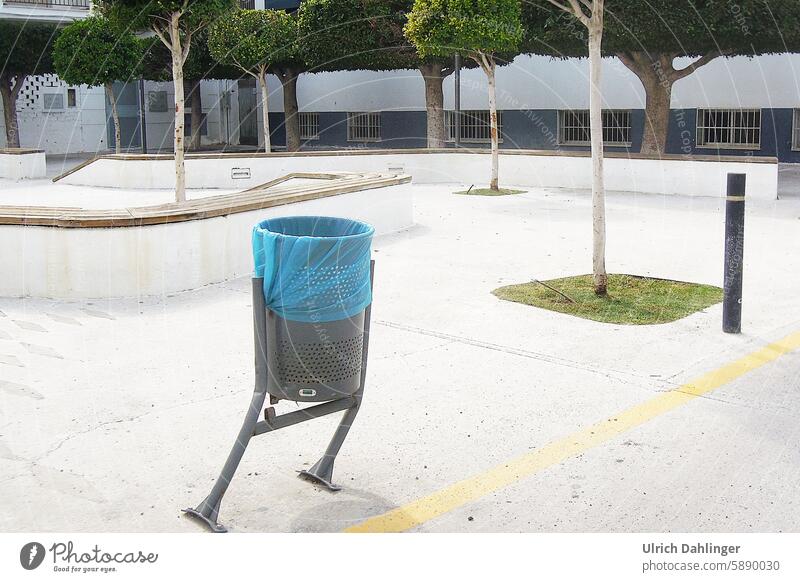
x,y
489,192
631,300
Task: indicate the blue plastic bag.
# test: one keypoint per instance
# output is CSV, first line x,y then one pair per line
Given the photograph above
x,y
315,268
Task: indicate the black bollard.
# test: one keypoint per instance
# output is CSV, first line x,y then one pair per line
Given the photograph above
x,y
734,254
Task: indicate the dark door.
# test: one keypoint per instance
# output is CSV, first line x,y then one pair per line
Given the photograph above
x,y
127,95
248,113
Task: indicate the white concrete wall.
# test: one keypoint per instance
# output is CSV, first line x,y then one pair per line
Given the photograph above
x,y
82,129
527,83
72,129
73,263
674,176
531,82
22,166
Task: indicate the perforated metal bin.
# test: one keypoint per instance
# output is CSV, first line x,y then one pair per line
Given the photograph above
x,y
314,362
311,338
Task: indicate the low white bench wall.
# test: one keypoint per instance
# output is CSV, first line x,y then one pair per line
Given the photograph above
x,y
78,263
22,164
690,176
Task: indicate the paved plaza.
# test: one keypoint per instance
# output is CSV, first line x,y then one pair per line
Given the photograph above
x,y
116,414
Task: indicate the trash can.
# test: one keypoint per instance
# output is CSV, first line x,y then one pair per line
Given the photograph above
x,y
312,300
316,273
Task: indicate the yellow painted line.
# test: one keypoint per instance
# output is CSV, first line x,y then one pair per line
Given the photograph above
x,y
459,494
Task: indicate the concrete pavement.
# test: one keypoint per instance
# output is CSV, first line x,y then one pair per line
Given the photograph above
x,y
115,414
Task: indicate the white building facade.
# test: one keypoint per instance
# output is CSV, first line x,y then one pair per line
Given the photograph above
x,y
736,106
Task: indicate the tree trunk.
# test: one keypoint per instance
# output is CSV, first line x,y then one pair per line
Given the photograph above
x,y
196,101
655,73
658,76
598,188
490,70
9,95
656,117
432,73
291,119
177,80
115,116
262,79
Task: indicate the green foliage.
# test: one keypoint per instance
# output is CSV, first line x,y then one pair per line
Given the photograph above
x,y
695,27
25,48
677,27
143,14
94,53
252,39
552,32
157,61
337,35
442,27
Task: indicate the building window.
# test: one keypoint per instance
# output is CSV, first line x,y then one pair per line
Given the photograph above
x,y
475,126
364,126
796,130
309,125
574,127
72,98
729,128
53,101
157,101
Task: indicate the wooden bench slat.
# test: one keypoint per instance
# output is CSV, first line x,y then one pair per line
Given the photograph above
x,y
270,194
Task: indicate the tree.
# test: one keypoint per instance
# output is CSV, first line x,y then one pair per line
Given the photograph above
x,y
479,29
591,13
648,38
388,19
174,22
253,40
92,52
368,34
25,49
199,66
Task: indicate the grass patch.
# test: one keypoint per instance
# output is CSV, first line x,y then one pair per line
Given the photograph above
x,y
489,192
631,300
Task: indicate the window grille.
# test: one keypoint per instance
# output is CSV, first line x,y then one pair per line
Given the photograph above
x,y
309,125
574,127
729,128
475,126
364,126
796,130
53,101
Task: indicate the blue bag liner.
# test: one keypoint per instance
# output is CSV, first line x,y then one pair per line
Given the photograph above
x,y
315,268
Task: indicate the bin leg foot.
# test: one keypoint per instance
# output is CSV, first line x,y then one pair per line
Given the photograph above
x,y
208,511
207,515
322,471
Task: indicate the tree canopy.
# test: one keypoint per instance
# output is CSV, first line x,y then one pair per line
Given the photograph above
x,y
25,48
255,39
155,14
442,27
93,52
